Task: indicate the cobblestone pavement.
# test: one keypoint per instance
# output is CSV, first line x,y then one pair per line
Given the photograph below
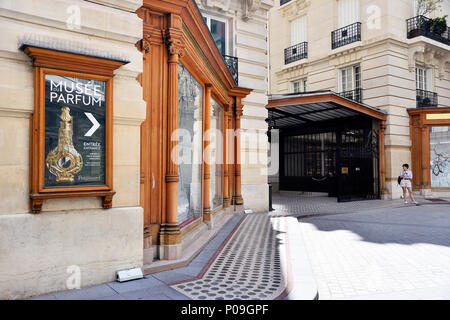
x,y
289,203
297,203
400,252
248,267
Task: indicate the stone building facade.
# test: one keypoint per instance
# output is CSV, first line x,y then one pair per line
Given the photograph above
x,y
38,252
375,52
246,38
54,239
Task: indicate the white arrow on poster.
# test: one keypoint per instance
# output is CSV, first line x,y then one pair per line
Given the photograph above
x,y
95,123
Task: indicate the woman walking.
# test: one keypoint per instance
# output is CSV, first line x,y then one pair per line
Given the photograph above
x,y
406,176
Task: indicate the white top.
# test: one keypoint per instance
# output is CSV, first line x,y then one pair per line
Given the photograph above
x,y
406,174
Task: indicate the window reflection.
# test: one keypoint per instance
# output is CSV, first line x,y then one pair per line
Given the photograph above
x,y
190,94
216,156
440,157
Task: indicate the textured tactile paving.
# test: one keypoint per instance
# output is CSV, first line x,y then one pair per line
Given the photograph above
x,y
249,267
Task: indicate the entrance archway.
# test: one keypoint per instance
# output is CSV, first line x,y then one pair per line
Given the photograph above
x,y
329,143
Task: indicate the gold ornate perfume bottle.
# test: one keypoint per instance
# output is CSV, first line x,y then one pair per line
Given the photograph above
x,y
64,161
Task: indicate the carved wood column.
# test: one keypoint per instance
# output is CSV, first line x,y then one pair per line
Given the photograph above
x,y
230,152
237,196
382,159
206,154
425,144
170,235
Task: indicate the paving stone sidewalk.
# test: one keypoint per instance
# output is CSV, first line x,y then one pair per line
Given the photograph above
x,y
399,252
310,204
246,260
154,286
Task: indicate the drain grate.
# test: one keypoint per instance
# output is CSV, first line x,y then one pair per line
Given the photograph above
x,y
248,267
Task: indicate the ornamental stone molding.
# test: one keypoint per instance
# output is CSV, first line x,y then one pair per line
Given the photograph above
x,y
251,6
430,56
294,9
412,55
223,5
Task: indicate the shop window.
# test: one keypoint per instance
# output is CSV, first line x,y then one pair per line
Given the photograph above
x,y
190,102
440,156
216,156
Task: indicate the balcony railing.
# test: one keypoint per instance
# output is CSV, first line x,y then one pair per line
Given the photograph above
x,y
232,65
284,2
422,26
355,95
426,99
346,35
296,52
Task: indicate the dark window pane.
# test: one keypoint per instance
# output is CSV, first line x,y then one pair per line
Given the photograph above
x,y
218,34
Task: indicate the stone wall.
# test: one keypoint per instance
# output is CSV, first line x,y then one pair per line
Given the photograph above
x,y
388,74
249,44
35,250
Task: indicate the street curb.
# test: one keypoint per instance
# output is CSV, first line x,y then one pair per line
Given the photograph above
x,y
301,281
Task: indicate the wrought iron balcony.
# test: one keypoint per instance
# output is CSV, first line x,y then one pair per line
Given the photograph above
x,y
346,35
284,2
422,26
232,65
296,52
355,95
426,99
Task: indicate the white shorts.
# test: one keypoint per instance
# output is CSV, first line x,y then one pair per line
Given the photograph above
x,y
405,183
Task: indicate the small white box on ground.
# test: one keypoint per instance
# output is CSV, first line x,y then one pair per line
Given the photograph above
x,y
130,274
248,211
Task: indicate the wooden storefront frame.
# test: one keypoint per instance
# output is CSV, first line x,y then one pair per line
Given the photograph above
x,y
177,31
420,144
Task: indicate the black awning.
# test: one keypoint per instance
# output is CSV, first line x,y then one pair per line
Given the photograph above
x,y
298,109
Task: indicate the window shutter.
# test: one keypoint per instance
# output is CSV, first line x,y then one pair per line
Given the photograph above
x,y
429,80
298,31
348,12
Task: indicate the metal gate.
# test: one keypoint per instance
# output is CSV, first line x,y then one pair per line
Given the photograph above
x,y
357,161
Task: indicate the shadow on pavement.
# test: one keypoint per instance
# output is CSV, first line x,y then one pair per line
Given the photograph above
x,y
407,224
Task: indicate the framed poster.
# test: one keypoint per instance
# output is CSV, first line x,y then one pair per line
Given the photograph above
x,y
72,127
75,131
75,123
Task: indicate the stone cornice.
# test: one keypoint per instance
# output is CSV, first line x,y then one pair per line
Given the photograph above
x,y
293,9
